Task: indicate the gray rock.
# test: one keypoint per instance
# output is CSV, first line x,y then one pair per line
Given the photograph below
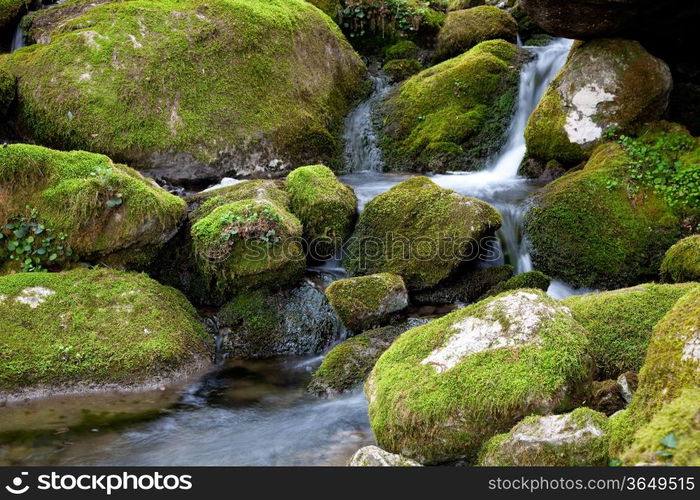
x,y
373,456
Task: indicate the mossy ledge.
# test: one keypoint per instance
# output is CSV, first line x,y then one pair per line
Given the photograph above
x,y
190,90
94,328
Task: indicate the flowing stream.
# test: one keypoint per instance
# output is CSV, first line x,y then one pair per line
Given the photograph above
x,y
258,413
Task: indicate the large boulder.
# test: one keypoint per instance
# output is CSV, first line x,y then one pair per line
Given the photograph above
x,y
605,84
295,321
419,231
672,365
682,261
373,456
454,115
92,328
326,208
443,389
575,439
601,227
347,365
59,206
672,437
189,92
620,323
367,301
465,28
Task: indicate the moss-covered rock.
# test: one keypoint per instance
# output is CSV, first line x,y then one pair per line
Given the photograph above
x,y
605,84
326,208
607,397
419,231
466,287
8,85
245,237
9,10
672,365
347,365
454,115
400,69
189,90
329,7
443,389
579,438
295,321
403,49
373,456
682,261
620,323
594,228
672,437
367,301
94,327
463,4
465,28
530,279
100,210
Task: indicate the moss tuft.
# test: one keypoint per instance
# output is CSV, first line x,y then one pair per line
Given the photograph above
x,y
93,326
400,69
682,261
8,91
403,49
531,279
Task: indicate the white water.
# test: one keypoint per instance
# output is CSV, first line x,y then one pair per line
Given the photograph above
x,y
18,39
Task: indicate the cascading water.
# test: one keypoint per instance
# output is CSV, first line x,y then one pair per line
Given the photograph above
x,y
18,40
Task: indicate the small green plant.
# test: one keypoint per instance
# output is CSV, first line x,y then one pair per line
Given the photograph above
x,y
362,17
24,239
669,443
252,224
104,176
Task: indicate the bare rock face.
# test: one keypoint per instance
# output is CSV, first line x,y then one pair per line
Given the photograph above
x,y
373,456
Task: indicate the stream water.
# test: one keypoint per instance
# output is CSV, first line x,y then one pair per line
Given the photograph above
x,y
258,413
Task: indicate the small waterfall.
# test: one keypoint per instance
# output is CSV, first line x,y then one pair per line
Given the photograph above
x,y
361,150
18,40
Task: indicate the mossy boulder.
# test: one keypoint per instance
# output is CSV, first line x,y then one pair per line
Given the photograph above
x,y
347,365
94,328
419,231
464,29
682,261
465,287
575,439
454,115
620,323
326,208
672,437
10,10
247,238
607,397
403,49
189,90
294,321
400,69
373,456
443,389
593,228
605,84
367,301
463,4
8,85
530,279
672,365
101,211
329,7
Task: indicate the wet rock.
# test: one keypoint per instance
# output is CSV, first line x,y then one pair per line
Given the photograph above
x,y
442,389
579,438
607,397
372,456
466,287
628,382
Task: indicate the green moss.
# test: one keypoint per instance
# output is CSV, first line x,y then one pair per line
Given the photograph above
x,y
403,49
464,29
592,228
367,301
93,326
329,7
326,208
466,101
620,323
464,4
682,261
466,287
102,207
7,91
419,231
438,415
400,69
530,443
531,279
152,82
203,203
10,10
672,437
248,244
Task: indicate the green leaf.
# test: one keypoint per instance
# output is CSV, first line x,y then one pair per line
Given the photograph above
x,y
669,441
